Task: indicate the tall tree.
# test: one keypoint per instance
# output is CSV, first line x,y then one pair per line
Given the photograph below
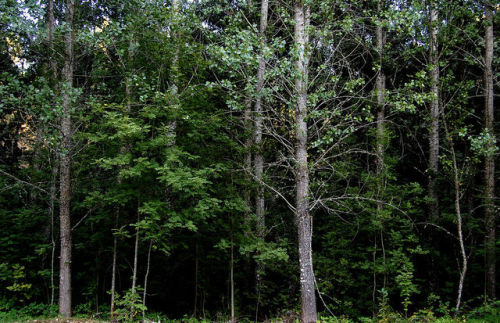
x,y
434,113
65,168
489,167
302,215
259,158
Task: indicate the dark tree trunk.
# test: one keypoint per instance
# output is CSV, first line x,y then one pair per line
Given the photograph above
x,y
65,170
489,167
303,218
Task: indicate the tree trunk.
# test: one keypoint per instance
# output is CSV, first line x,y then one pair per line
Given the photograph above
x,y
489,173
195,310
233,319
380,133
55,169
174,90
65,170
148,264
456,183
303,218
53,193
113,273
259,158
434,127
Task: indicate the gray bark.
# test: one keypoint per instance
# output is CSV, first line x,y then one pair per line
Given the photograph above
x,y
434,114
381,135
65,170
303,218
146,276
55,169
489,174
172,125
456,184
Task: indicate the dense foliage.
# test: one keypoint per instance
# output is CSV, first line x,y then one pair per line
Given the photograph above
x,y
164,141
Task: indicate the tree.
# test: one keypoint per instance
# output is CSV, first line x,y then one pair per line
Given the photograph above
x,y
434,113
489,167
65,167
302,216
258,118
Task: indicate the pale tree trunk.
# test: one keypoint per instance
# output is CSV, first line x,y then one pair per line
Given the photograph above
x,y
53,188
113,273
148,265
381,136
259,158
231,278
65,170
174,90
489,173
50,38
434,127
136,258
53,193
247,124
456,182
303,218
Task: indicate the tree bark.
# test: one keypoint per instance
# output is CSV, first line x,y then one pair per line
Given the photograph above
x,y
231,278
146,276
303,218
434,114
489,174
65,170
113,273
456,184
174,89
381,135
259,158
55,169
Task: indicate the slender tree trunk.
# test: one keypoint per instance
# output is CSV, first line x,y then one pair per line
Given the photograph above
x,y
136,256
231,278
381,137
55,169
247,124
53,193
434,127
174,90
489,174
463,270
195,310
148,264
113,273
456,182
65,170
303,218
259,158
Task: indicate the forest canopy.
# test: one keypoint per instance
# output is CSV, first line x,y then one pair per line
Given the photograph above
x,y
244,160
